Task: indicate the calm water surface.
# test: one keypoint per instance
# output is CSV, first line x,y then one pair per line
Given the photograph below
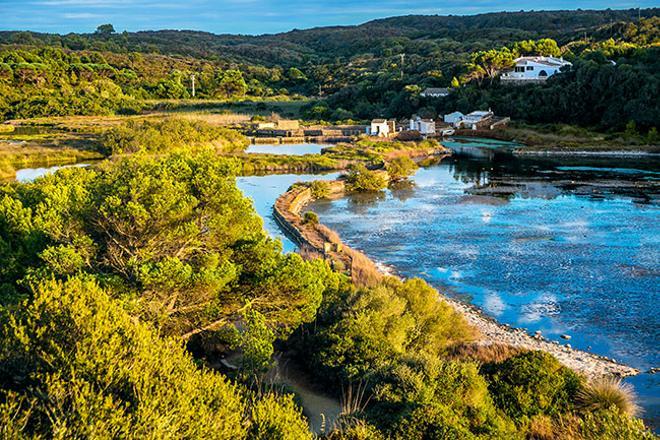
x,y
561,247
290,149
264,190
29,174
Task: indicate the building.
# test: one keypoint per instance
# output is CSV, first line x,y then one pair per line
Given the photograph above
x,y
426,127
288,124
534,69
454,118
435,92
382,128
477,120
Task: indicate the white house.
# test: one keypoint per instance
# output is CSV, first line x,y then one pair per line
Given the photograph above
x,y
435,92
454,118
382,127
425,127
534,69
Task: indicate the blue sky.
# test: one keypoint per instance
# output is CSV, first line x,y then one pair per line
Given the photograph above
x,y
251,16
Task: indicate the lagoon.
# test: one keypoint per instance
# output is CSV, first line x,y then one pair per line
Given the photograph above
x,y
544,245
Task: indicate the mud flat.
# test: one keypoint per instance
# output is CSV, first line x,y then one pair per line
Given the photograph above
x,y
319,240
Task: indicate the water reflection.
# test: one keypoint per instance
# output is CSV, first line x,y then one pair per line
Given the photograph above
x,y
288,149
544,244
30,174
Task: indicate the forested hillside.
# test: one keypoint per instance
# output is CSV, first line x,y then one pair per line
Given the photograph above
x,y
377,69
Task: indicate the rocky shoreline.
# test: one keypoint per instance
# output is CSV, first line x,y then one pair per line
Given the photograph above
x,y
326,243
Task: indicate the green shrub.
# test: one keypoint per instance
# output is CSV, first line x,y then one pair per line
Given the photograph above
x,y
320,189
612,425
310,218
277,418
355,430
425,396
168,134
359,178
401,168
84,368
532,383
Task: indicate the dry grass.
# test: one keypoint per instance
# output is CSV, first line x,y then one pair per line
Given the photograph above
x,y
309,253
541,428
221,119
364,272
607,392
327,233
483,353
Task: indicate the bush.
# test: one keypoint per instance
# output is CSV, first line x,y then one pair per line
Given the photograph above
x,y
401,167
168,134
356,430
433,395
359,178
84,368
606,393
310,218
532,383
612,425
277,418
320,189
372,328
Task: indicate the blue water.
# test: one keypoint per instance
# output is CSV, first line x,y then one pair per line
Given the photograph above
x,y
29,174
541,245
264,190
289,149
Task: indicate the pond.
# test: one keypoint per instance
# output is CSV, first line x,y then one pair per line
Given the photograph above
x,y
288,149
561,246
29,174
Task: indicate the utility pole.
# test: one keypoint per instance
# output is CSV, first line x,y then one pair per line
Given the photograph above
x,y
192,78
403,58
320,91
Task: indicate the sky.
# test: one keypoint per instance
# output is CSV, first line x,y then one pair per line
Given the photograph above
x,y
253,16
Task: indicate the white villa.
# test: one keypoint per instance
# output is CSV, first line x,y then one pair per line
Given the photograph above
x,y
426,127
381,128
534,69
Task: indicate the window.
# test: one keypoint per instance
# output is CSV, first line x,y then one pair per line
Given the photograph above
x,y
520,69
530,67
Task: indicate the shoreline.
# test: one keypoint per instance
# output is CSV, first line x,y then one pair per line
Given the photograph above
x,y
326,243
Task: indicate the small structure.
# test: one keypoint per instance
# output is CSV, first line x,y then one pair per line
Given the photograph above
x,y
533,69
435,92
265,125
477,119
426,127
382,128
288,124
454,118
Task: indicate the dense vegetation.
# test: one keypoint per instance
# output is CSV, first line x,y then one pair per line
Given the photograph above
x,y
165,135
122,285
107,271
